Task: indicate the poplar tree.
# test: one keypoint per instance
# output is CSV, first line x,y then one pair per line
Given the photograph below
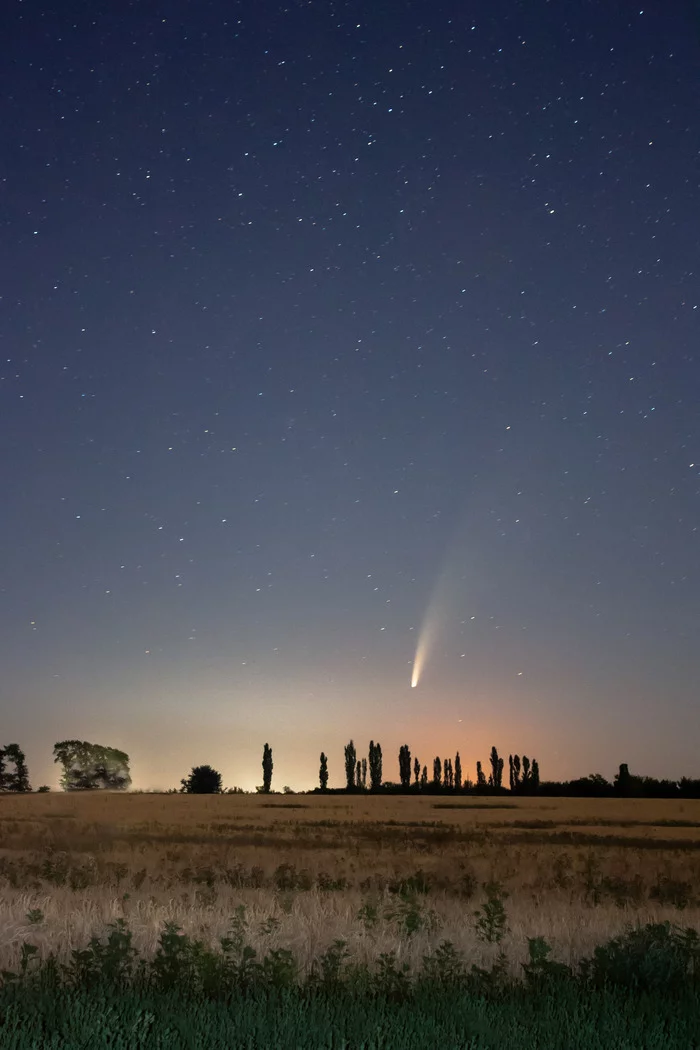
x,y
323,772
267,768
405,767
375,766
458,772
350,759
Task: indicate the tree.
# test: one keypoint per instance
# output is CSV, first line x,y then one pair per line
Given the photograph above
x,y
416,770
424,779
375,766
458,772
323,773
437,772
18,778
496,769
267,768
364,772
480,778
358,774
92,767
535,775
511,773
516,773
525,782
203,780
350,759
448,775
405,767
626,784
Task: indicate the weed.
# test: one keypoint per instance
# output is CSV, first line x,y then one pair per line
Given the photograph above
x,y
368,915
326,971
392,981
673,891
491,922
113,961
540,969
444,967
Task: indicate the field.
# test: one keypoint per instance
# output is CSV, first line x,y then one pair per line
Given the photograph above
x,y
381,873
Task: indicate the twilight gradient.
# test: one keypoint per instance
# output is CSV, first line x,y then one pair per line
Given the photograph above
x,y
306,309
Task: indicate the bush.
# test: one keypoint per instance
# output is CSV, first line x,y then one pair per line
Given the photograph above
x,y
651,958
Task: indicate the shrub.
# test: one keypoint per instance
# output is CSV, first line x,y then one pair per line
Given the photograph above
x,y
656,956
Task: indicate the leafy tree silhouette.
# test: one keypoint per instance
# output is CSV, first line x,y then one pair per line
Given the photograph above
x,y
323,772
203,780
416,770
17,779
92,767
424,779
458,772
437,773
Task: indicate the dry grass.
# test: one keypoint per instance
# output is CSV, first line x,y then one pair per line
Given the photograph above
x,y
577,871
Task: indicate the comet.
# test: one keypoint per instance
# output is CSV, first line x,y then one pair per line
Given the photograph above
x,y
426,641
441,606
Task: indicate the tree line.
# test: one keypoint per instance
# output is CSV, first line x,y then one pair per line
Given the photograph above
x,y
95,767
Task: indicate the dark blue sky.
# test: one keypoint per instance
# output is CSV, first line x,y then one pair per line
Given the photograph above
x,y
330,326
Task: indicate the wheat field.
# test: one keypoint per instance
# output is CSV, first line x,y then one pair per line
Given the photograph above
x,y
385,872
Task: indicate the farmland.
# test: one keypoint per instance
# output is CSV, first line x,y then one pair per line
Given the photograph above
x,y
382,873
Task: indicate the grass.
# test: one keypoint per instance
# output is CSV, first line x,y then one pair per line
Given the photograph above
x,y
385,877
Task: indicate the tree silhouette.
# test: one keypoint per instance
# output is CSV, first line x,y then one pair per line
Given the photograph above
x,y
364,772
405,767
525,781
323,772
516,773
416,770
203,780
535,775
350,759
92,767
480,778
424,779
375,766
448,775
458,772
511,773
267,768
437,772
496,769
358,774
17,779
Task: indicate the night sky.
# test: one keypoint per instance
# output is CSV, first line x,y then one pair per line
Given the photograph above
x,y
330,330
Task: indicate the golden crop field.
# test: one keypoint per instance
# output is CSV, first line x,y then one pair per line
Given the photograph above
x,y
380,872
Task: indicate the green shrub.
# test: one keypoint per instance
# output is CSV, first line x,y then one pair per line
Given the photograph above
x,y
491,922
654,957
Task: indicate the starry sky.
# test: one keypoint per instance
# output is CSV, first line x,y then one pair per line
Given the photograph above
x,y
333,329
